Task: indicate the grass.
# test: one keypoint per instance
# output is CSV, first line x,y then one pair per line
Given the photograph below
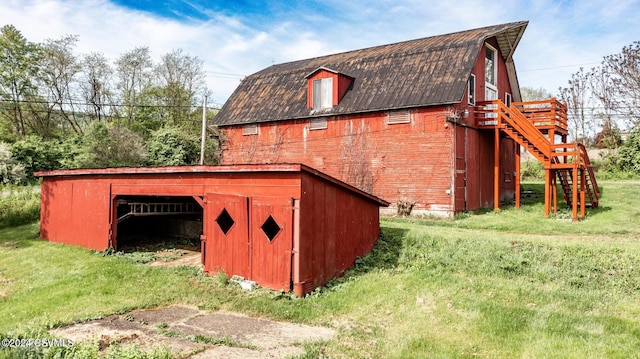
x,y
490,285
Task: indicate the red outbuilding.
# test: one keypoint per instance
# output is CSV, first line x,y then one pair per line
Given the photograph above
x,y
284,226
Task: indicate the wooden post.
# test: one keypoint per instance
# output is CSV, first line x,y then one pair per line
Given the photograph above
x,y
517,175
582,194
496,170
554,192
574,197
547,192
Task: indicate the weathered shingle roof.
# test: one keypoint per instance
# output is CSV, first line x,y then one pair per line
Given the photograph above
x,y
422,72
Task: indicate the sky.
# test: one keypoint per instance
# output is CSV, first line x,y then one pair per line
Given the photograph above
x,y
236,38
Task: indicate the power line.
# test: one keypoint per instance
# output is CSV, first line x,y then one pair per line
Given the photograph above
x,y
79,103
226,75
557,67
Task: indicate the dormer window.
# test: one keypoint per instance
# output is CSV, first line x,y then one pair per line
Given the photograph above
x,y
322,93
325,89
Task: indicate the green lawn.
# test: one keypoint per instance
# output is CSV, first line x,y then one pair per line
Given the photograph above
x,y
511,284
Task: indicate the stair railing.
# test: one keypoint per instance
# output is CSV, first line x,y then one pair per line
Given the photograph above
x,y
521,125
584,155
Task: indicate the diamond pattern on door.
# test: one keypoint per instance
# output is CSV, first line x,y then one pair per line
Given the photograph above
x,y
270,228
225,222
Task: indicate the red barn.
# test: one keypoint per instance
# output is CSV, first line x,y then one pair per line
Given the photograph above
x,y
425,122
286,227
396,120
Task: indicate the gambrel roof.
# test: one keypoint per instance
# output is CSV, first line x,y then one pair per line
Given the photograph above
x,y
415,73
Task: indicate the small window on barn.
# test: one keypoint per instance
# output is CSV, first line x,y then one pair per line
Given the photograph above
x,y
471,92
322,93
225,222
318,124
490,66
507,99
399,117
251,129
270,228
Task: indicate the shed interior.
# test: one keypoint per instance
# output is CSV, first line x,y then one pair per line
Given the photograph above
x,y
158,222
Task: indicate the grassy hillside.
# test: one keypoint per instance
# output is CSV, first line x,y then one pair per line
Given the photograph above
x,y
492,285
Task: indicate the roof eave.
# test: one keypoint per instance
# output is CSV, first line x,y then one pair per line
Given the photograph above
x,y
335,114
509,39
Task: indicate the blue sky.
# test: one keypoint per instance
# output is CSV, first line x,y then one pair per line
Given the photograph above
x,y
237,38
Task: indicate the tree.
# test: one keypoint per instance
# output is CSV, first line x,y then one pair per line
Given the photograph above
x,y
148,113
625,68
601,82
18,70
133,70
576,96
96,85
534,94
180,77
59,68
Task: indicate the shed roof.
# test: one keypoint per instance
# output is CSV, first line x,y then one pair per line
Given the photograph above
x,y
212,170
422,72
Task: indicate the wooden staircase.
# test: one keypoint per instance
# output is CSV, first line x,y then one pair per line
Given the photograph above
x,y
535,126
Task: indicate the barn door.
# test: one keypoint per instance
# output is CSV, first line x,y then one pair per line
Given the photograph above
x,y
271,241
226,240
460,193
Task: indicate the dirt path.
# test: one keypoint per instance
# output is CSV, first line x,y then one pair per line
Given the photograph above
x,y
192,333
184,257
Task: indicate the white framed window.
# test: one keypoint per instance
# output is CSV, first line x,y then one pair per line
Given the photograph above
x,y
471,90
323,93
250,129
401,116
490,73
318,124
507,99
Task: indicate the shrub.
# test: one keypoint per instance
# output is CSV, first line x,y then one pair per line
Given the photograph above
x,y
37,154
629,153
11,171
170,146
110,147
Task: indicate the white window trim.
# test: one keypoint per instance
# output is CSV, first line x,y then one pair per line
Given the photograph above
x,y
471,98
318,124
250,129
507,99
399,116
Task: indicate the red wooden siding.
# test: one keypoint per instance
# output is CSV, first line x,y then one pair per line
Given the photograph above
x,y
412,162
393,161
76,212
333,239
79,207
